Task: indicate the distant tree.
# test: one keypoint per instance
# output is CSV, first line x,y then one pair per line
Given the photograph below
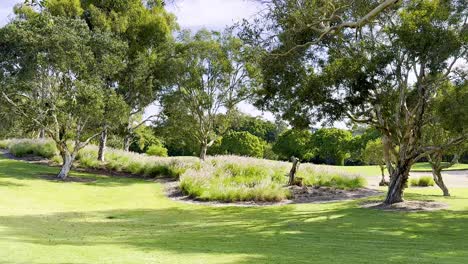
x,y
294,142
204,86
49,75
242,143
373,155
331,144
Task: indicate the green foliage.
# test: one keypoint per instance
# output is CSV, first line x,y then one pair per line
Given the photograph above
x,y
424,181
295,143
157,150
331,145
243,144
373,153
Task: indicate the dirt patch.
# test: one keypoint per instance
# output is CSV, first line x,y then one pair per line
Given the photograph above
x,y
407,206
53,177
299,195
322,194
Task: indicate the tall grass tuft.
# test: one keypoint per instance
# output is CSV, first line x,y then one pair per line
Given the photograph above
x,y
37,147
424,181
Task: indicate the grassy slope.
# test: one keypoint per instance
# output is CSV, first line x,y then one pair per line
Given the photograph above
x,y
129,221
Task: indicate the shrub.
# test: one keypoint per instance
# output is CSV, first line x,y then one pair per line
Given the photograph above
x,y
424,181
242,143
157,150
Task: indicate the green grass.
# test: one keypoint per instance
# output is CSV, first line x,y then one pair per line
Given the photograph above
x,y
425,166
115,220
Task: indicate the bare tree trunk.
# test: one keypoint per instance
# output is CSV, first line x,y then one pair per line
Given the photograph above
x,y
102,145
398,181
292,172
437,175
42,133
204,148
68,159
127,142
382,171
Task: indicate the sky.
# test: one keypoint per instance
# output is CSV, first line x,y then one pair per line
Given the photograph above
x,y
193,15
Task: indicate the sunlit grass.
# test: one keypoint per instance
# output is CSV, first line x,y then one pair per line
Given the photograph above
x,y
121,220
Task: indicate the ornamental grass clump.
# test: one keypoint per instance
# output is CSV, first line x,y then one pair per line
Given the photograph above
x,y
424,181
232,179
317,175
37,147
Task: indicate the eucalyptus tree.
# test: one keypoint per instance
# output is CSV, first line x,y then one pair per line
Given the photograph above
x,y
146,28
384,74
49,75
212,75
449,122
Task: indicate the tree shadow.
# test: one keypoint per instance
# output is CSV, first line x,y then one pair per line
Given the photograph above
x,y
340,233
21,170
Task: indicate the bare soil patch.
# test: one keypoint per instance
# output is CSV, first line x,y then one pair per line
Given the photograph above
x,y
53,177
407,206
307,194
299,195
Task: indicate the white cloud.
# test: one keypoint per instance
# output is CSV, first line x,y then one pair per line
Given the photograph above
x,y
6,10
212,14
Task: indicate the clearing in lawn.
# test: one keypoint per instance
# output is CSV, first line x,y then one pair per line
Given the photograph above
x,y
122,220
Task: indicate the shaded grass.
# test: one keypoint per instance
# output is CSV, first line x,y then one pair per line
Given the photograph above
x,y
53,222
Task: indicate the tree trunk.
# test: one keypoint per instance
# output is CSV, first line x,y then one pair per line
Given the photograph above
x,y
204,148
127,142
436,174
382,171
102,145
67,164
398,181
41,133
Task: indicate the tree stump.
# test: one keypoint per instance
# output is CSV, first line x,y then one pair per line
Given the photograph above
x,y
292,172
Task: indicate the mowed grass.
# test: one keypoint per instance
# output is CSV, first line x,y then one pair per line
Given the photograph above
x,y
116,220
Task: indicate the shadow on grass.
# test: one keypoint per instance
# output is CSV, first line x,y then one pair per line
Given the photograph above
x,y
282,234
21,170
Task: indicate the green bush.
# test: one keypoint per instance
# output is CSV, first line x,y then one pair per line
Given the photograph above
x,y
424,181
157,150
242,143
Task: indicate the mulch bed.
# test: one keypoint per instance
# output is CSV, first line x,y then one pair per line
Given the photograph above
x,y
407,206
299,195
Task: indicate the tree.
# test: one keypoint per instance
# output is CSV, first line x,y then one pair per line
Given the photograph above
x,y
385,74
297,143
449,122
331,144
146,29
204,84
242,143
373,155
48,75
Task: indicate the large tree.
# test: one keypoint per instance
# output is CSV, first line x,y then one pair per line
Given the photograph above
x,y
146,28
384,74
212,76
49,74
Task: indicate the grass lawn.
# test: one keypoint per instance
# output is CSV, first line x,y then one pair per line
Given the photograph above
x,y
371,170
115,220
